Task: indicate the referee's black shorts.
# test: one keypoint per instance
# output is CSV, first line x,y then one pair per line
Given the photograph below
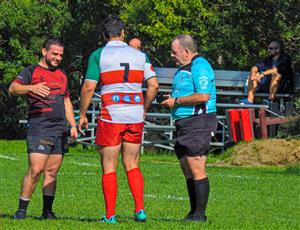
x,y
194,134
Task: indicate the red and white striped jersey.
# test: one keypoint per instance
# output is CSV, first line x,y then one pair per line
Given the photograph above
x,y
120,70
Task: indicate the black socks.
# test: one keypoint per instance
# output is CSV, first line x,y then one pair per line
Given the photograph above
x,y
48,202
23,203
192,195
202,193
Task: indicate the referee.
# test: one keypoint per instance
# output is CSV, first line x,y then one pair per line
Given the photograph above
x,y
193,107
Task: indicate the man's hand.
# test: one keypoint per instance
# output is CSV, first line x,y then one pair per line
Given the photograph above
x,y
73,134
40,89
83,124
170,102
256,77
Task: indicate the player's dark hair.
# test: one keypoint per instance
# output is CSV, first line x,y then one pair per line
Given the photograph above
x,y
112,27
52,41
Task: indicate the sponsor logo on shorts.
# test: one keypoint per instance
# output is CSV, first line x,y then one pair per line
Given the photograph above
x,y
46,142
41,147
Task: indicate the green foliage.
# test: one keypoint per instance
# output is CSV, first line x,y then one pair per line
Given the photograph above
x,y
24,25
231,34
235,31
12,110
82,36
158,22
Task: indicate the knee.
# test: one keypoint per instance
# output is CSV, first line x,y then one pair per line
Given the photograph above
x,y
276,77
51,173
35,173
130,164
198,173
109,165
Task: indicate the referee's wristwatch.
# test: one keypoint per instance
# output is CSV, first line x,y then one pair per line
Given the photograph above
x,y
176,101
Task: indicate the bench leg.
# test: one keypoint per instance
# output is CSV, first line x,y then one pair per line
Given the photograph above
x,y
263,124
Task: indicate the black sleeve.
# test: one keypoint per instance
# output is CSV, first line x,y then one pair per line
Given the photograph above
x,y
283,64
262,64
25,76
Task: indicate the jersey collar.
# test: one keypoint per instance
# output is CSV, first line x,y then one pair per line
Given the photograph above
x,y
116,43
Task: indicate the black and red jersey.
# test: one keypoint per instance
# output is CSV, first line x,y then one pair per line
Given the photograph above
x,y
46,115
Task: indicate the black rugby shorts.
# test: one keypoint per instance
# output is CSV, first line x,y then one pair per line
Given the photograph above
x,y
48,145
194,135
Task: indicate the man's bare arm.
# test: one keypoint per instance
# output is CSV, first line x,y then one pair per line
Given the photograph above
x,y
194,99
87,93
38,89
152,89
69,112
70,118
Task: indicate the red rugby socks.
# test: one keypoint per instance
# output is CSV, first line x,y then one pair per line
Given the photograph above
x,y
136,184
109,187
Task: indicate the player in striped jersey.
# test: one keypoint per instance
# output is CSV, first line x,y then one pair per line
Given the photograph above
x,y
120,70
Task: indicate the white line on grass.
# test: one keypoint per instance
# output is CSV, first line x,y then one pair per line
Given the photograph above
x,y
84,164
8,157
156,175
82,173
235,176
165,197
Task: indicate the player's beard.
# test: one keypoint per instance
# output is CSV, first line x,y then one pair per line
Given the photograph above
x,y
49,63
272,55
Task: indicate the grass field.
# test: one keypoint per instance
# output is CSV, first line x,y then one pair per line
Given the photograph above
x,y
241,198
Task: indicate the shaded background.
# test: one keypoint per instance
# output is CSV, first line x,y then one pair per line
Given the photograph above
x,y
232,35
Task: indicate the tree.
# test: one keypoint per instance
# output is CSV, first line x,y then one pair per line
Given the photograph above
x,y
158,22
237,30
24,24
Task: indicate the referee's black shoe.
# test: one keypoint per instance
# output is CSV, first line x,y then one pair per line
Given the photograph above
x,y
189,215
48,215
196,217
20,214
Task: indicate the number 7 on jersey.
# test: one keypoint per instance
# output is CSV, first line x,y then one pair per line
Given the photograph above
x,y
126,71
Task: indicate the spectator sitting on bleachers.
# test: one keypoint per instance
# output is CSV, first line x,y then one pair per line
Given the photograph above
x,y
271,75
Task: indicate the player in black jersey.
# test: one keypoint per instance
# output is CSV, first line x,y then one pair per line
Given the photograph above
x,y
49,112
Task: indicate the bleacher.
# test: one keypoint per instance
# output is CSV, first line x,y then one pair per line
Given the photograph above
x,y
230,85
159,126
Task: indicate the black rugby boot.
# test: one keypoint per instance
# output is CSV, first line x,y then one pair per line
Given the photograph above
x,y
20,214
48,215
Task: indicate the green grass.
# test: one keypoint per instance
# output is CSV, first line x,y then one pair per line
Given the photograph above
x,y
241,198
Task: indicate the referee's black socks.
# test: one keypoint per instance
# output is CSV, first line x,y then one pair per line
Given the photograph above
x,y
202,193
190,184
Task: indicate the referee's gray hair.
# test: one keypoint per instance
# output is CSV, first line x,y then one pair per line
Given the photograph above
x,y
187,42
